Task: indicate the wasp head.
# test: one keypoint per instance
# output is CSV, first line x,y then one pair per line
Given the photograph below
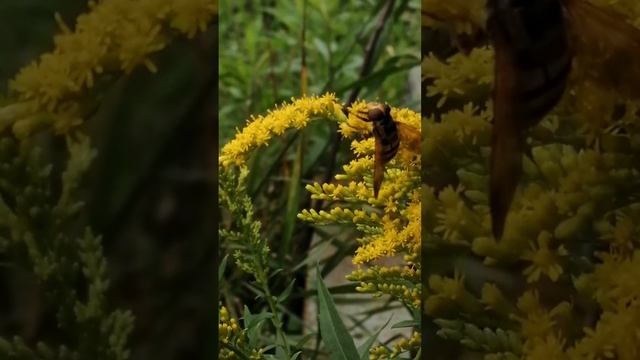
x,y
378,112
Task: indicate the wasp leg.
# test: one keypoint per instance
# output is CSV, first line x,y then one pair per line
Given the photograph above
x,y
359,116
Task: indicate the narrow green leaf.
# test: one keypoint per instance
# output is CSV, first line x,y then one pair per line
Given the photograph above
x,y
300,344
293,198
253,324
275,272
364,348
405,324
281,353
222,267
380,75
285,294
313,255
337,339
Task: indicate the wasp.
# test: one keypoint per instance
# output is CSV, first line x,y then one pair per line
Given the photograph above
x,y
538,44
388,135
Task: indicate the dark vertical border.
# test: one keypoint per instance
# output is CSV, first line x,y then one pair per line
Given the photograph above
x,y
214,165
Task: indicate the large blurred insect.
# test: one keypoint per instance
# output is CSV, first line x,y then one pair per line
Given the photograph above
x,y
388,135
538,44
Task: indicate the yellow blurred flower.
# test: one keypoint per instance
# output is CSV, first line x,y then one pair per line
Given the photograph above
x,y
115,35
544,261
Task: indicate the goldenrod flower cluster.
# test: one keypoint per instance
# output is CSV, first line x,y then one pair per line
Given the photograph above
x,y
261,129
232,339
403,345
571,231
390,224
392,220
459,16
115,35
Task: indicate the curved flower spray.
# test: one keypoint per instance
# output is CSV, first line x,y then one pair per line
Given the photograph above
x,y
113,36
390,224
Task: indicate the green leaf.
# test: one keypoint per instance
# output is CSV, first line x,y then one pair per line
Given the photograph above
x,y
313,255
222,267
405,324
285,294
300,344
364,348
253,324
293,199
337,339
377,77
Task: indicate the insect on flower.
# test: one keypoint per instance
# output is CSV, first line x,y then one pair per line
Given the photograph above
x,y
388,135
538,44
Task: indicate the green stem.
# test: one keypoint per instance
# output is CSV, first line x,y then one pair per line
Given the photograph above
x,y
263,282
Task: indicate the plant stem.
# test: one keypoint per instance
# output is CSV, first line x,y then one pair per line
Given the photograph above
x,y
263,282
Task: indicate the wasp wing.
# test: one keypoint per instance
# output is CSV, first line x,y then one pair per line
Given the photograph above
x,y
605,47
506,139
409,136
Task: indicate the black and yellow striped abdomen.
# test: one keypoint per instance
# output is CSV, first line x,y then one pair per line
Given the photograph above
x,y
534,33
385,129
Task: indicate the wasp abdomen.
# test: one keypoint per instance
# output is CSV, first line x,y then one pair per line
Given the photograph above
x,y
388,134
384,129
534,33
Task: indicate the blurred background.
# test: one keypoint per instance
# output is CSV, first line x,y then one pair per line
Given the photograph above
x,y
150,192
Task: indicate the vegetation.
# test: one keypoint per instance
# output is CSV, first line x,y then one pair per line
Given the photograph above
x,y
67,291
316,56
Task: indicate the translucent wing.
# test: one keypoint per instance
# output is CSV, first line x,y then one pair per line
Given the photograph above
x,y
378,167
506,140
606,48
409,137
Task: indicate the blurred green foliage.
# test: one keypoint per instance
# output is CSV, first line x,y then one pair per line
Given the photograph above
x,y
149,194
39,232
260,53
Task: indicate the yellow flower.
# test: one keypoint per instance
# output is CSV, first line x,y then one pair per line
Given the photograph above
x,y
88,50
622,235
463,15
456,221
548,347
381,245
192,16
48,81
460,75
543,259
142,39
396,236
494,300
114,35
615,335
536,321
295,115
230,333
616,279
